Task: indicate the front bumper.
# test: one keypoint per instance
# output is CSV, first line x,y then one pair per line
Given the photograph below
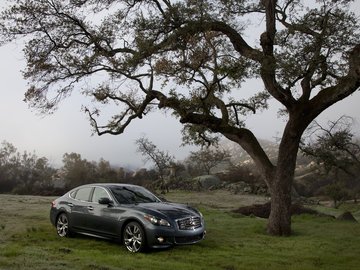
x,y
161,237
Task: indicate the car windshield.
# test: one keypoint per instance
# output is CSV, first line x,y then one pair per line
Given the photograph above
x,y
133,195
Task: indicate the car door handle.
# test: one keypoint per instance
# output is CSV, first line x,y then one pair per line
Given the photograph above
x,y
70,205
90,208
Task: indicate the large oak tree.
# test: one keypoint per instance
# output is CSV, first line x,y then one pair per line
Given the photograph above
x,y
190,57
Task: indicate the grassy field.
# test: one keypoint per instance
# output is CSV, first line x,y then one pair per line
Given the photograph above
x,y
28,241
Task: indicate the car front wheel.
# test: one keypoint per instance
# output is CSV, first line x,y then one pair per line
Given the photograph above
x,y
62,225
134,237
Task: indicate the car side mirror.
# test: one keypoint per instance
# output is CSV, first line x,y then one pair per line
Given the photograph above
x,y
105,201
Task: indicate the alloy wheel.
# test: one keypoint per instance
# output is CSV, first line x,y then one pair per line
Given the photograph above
x,y
134,237
62,225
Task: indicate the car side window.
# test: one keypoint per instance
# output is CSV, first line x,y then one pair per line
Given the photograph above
x,y
83,194
99,193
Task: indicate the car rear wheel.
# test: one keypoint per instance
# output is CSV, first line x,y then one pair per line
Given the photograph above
x,y
134,237
62,225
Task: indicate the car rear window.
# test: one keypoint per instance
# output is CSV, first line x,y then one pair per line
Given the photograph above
x,y
83,194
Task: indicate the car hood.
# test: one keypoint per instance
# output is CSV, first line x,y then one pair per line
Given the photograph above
x,y
171,210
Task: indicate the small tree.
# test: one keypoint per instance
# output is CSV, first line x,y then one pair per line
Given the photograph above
x,y
161,159
208,158
337,193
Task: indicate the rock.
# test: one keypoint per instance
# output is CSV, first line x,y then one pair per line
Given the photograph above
x,y
208,181
247,189
261,189
239,187
347,216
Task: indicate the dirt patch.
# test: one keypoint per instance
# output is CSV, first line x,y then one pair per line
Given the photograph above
x,y
263,210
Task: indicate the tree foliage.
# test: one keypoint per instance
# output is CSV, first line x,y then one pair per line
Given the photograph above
x,y
191,57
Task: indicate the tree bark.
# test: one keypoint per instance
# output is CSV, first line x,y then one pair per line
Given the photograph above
x,y
279,222
280,186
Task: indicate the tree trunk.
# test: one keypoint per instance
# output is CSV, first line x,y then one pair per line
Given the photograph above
x,y
280,185
279,222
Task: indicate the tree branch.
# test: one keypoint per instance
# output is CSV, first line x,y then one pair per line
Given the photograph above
x,y
345,86
268,62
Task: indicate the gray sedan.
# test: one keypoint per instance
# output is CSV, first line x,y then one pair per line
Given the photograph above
x,y
126,212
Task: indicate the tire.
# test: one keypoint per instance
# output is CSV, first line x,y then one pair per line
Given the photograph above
x,y
62,225
134,237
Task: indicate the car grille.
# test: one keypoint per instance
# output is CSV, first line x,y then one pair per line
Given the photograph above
x,y
189,223
189,239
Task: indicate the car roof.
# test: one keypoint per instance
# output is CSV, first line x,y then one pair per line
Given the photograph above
x,y
108,185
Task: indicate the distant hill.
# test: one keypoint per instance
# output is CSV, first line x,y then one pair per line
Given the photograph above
x,y
239,156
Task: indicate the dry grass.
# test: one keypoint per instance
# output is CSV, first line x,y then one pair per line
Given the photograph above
x,y
219,199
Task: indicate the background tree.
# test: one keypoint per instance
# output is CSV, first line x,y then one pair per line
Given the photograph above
x,y
337,192
190,57
33,175
208,158
78,171
106,173
9,162
337,152
24,173
44,173
161,159
334,146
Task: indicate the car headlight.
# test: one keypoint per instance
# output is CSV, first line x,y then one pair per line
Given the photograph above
x,y
157,221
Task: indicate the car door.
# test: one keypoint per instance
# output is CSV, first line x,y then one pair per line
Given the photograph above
x,y
104,219
81,210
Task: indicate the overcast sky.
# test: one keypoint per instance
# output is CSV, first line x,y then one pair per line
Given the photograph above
x,y
68,130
